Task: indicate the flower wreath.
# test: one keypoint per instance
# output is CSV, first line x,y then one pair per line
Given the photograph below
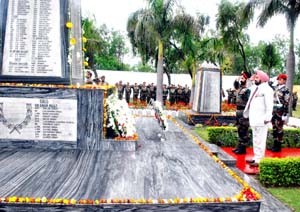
x,y
120,118
159,114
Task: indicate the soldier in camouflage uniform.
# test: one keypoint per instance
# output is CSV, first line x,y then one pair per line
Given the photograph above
x,y
280,111
242,123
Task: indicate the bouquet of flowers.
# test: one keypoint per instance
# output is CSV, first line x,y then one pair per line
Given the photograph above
x,y
120,118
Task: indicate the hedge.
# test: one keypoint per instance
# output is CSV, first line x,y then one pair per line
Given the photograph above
x,y
280,172
227,136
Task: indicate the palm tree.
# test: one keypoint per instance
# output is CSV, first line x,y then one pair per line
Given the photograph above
x,y
291,10
150,30
231,23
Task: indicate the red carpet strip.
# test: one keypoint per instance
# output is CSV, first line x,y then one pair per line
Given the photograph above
x,y
241,159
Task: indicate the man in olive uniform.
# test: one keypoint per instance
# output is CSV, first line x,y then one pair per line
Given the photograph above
x,y
280,111
242,123
127,92
143,92
120,88
179,95
172,92
152,92
136,91
187,94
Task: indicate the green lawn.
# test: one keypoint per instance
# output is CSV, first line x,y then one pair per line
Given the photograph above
x,y
289,196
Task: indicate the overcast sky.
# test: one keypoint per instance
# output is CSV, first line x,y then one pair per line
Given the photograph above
x,y
114,13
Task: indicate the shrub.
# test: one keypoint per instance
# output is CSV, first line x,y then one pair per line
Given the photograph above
x,y
282,172
227,136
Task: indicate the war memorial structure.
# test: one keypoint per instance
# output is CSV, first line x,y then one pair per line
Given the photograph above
x,y
54,154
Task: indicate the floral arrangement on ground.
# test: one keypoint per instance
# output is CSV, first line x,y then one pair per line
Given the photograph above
x,y
120,119
160,115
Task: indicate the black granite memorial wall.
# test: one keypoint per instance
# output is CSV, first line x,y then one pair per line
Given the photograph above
x,y
51,118
34,41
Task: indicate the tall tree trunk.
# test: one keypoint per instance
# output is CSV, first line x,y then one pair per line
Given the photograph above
x,y
290,67
193,84
160,71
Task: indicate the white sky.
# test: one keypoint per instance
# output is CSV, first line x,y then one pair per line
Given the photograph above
x,y
114,13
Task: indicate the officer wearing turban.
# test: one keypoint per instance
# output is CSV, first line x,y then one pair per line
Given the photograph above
x,y
259,110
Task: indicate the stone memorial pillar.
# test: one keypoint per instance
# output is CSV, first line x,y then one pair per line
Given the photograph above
x,y
35,45
40,107
77,56
207,95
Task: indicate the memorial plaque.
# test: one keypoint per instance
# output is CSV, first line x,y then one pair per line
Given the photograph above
x,y
38,119
207,95
34,41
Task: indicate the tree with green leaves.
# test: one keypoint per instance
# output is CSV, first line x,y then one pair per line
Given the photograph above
x,y
232,25
291,10
104,48
270,58
95,43
150,31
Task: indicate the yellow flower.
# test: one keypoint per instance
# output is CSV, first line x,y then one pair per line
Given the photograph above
x,y
72,41
73,201
84,40
38,200
12,199
69,25
84,49
44,199
85,63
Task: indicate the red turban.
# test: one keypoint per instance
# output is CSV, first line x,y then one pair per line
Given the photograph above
x,y
282,76
246,75
262,76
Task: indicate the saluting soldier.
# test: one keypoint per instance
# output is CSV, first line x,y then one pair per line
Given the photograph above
x,y
242,123
280,111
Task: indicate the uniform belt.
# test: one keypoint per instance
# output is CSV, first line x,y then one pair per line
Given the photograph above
x,y
240,107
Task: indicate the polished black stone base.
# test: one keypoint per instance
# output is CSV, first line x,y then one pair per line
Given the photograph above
x,y
159,169
193,118
209,207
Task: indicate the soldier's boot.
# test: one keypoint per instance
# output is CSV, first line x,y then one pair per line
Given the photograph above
x,y
240,150
276,147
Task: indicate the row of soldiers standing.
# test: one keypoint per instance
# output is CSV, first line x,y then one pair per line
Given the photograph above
x,y
143,93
